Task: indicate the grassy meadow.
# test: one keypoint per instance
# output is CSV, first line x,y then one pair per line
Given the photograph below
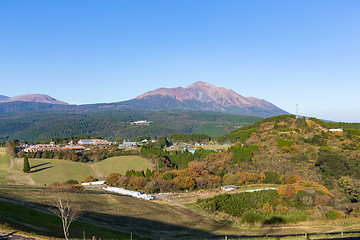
x,y
212,130
50,225
48,171
4,158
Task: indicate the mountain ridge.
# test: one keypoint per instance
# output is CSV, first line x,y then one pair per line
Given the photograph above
x,y
199,96
36,98
3,97
206,97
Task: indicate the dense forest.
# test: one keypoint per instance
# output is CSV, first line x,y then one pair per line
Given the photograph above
x,y
36,126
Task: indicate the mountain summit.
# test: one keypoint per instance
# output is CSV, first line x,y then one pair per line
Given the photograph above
x,y
202,96
34,98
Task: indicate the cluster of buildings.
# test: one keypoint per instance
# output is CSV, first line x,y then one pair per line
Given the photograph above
x,y
81,145
95,142
53,147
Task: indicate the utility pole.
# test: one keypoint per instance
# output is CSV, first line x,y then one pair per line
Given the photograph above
x,y
297,110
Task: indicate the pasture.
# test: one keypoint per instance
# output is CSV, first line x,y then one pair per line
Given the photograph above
x,y
48,171
4,158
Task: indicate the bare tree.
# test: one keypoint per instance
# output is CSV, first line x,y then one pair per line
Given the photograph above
x,y
64,208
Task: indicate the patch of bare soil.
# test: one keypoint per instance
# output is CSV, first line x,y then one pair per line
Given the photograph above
x,y
98,174
17,177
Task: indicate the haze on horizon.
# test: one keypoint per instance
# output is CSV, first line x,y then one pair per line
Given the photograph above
x,y
286,52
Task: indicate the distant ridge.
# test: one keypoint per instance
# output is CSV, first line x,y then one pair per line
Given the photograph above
x,y
35,98
3,97
202,96
199,97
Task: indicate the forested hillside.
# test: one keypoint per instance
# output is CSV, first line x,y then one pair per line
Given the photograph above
x,y
35,126
316,170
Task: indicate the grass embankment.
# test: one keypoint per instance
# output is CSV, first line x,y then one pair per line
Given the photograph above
x,y
152,219
156,219
39,223
4,165
48,171
4,158
122,164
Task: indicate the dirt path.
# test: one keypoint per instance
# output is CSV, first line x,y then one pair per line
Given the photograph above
x,y
11,163
17,176
164,197
96,171
3,151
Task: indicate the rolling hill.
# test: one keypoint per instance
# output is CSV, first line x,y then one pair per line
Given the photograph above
x,y
3,97
35,98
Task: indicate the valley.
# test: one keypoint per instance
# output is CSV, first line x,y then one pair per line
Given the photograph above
x,y
312,171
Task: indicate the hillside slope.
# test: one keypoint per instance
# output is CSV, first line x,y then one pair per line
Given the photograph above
x,y
3,97
35,126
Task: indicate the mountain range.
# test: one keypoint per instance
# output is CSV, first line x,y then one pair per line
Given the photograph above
x,y
200,96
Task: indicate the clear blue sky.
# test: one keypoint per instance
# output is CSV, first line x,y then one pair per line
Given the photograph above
x,y
287,52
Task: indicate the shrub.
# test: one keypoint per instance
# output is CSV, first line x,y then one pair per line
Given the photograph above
x,y
89,179
239,203
284,143
274,220
252,217
272,177
71,181
267,208
333,214
304,198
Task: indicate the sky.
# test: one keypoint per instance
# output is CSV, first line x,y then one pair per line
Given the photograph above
x,y
301,52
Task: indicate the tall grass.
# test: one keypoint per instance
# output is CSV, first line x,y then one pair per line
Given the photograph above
x,y
4,158
259,217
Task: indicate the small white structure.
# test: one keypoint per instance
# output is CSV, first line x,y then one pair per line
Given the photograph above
x,y
128,144
228,187
261,189
129,193
336,130
93,183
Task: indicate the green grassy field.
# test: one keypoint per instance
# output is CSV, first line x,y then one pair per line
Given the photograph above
x,y
4,158
211,130
122,164
48,171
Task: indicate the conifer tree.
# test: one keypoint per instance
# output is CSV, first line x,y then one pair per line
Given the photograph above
x,y
26,165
